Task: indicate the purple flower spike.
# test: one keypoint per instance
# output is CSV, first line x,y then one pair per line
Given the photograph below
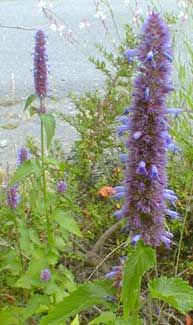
x,y
45,275
22,155
13,197
141,169
145,176
61,187
40,65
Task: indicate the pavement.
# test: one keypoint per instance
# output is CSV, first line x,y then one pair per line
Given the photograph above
x,y
70,69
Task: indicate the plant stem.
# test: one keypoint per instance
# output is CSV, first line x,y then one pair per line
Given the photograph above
x,y
49,237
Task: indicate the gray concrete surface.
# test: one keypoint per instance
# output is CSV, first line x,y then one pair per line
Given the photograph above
x,y
70,69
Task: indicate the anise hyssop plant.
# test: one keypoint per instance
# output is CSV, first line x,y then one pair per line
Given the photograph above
x,y
145,187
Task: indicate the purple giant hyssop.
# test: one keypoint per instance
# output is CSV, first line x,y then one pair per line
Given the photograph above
x,y
40,66
147,198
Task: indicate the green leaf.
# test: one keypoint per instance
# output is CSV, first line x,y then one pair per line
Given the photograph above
x,y
173,291
11,262
29,101
7,317
32,110
132,320
27,168
75,321
34,304
49,124
26,245
138,262
104,318
85,296
67,222
40,260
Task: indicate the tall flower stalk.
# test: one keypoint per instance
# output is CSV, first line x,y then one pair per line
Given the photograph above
x,y
40,83
145,186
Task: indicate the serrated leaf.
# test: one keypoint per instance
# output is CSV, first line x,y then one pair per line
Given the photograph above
x,y
49,124
85,296
67,222
104,318
27,168
138,262
173,291
29,101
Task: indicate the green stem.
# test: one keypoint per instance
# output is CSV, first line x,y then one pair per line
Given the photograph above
x,y
49,234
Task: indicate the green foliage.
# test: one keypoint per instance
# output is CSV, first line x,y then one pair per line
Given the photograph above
x,y
26,169
86,295
66,221
75,321
173,291
29,101
104,318
49,124
138,262
109,318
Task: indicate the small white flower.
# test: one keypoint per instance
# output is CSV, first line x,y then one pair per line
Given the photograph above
x,y
84,24
61,28
100,15
42,4
138,14
53,27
